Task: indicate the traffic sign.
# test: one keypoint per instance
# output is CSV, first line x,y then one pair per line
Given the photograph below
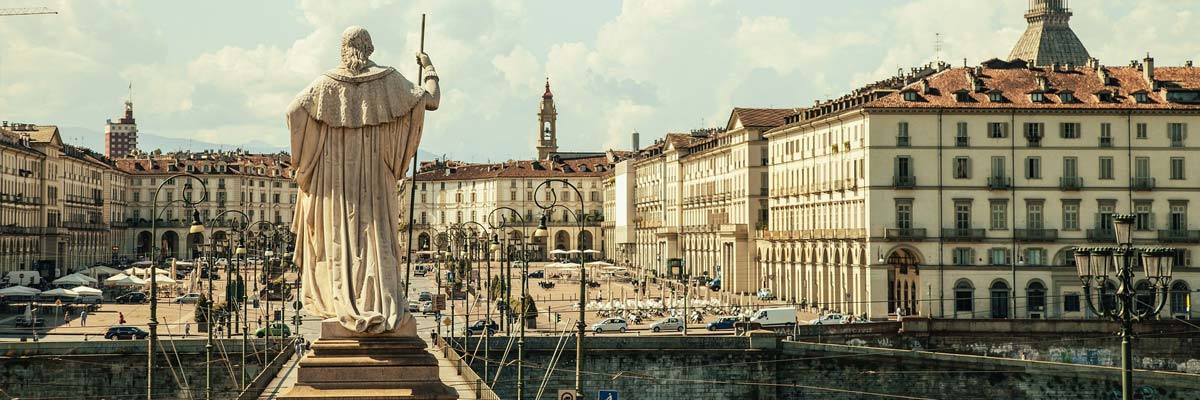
x,y
567,395
439,302
297,305
607,395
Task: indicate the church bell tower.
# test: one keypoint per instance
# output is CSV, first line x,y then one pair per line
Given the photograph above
x,y
547,141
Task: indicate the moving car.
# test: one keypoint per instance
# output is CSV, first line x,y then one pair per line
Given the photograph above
x,y
190,298
413,306
131,298
830,318
766,294
89,298
537,274
774,317
610,324
722,323
478,327
125,333
421,270
427,307
274,329
425,296
667,324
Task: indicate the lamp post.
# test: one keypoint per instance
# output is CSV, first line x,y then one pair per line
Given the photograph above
x,y
521,314
472,241
233,296
542,232
1096,264
196,227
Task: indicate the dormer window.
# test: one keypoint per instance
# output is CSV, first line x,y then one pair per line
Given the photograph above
x,y
910,95
1066,97
1037,97
1104,96
995,96
1141,96
962,95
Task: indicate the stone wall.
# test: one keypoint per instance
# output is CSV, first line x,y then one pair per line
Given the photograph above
x,y
117,369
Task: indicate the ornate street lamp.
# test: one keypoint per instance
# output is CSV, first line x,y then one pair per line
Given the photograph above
x,y
542,232
1098,264
524,259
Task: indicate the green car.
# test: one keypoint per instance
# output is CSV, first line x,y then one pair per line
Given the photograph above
x,y
275,329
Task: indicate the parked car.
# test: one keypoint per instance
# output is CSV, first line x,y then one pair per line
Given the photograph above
x,y
766,294
427,307
722,323
425,296
537,274
421,270
89,298
190,298
478,327
125,333
610,324
667,324
413,306
829,318
131,298
274,329
26,321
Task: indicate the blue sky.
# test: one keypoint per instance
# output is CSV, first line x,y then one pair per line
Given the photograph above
x,y
223,71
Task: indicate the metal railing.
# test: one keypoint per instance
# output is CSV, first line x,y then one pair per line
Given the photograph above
x,y
963,234
463,367
901,181
1070,183
1179,236
999,183
904,234
1103,234
1036,235
1142,183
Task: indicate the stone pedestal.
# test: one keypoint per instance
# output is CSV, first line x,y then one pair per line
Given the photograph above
x,y
368,367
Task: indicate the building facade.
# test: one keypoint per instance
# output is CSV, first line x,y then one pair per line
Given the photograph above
x,y
120,138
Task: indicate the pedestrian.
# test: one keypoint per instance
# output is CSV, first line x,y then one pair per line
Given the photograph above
x,y
83,318
121,318
433,334
187,329
220,330
67,318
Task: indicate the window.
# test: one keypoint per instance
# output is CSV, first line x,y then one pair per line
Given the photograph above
x,y
1141,131
998,256
1071,302
1141,97
962,215
1067,97
1035,295
1177,132
1069,130
1033,214
999,217
1033,168
1071,216
1033,133
1035,256
996,96
1177,220
1037,97
1144,217
1104,220
902,138
962,168
1178,298
963,256
1106,135
1070,167
910,95
997,130
904,214
960,137
1141,167
1177,168
964,296
1106,168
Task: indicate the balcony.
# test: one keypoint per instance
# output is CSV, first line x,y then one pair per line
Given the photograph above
x,y
904,234
903,141
1101,235
1142,183
963,235
87,226
904,182
1179,236
999,183
962,141
1036,235
1070,183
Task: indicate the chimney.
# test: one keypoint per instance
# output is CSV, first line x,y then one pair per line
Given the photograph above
x,y
1102,74
1054,67
635,141
1187,63
1070,66
924,86
1148,71
1043,83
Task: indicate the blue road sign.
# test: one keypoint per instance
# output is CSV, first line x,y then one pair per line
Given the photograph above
x,y
607,395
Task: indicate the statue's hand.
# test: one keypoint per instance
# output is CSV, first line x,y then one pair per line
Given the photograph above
x,y
423,60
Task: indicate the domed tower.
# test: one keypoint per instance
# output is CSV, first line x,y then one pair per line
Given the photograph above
x,y
547,141
1049,38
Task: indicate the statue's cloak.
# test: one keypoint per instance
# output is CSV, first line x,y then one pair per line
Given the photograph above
x,y
353,137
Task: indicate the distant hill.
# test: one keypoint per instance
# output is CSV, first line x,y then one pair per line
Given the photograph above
x,y
94,139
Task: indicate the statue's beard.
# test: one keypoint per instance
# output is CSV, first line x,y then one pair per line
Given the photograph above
x,y
355,60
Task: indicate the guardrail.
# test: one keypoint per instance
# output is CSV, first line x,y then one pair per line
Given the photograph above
x,y
481,388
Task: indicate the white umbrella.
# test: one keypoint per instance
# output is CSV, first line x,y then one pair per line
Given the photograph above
x,y
19,291
87,290
569,265
573,251
102,270
146,262
558,252
590,251
125,280
599,264
60,292
74,279
135,271
162,280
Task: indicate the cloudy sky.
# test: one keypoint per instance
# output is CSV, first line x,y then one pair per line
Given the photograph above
x,y
223,71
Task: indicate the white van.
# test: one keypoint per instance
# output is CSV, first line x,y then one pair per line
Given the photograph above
x,y
775,317
89,298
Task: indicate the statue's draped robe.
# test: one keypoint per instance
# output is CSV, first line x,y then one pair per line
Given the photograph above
x,y
353,137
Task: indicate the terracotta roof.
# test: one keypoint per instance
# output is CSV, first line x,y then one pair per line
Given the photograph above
x,y
236,164
763,117
1016,84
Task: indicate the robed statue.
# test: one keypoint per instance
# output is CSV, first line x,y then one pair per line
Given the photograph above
x,y
354,132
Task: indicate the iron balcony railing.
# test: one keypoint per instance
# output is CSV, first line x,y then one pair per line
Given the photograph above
x,y
1070,183
901,181
963,234
1179,236
904,234
1103,234
999,183
1142,183
1037,235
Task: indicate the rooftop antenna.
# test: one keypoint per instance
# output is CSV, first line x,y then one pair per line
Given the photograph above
x,y
937,47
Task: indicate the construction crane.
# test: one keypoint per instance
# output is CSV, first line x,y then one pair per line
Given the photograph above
x,y
6,12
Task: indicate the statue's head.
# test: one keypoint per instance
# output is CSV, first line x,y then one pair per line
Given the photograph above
x,y
356,49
